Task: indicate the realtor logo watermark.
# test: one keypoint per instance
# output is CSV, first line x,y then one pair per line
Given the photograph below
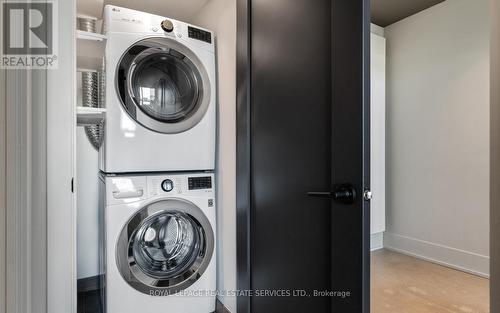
x,y
29,34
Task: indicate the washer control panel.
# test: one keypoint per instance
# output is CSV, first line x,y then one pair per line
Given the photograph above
x,y
189,184
128,189
195,183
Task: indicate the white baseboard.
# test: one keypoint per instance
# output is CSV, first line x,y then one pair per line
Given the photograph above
x,y
465,261
377,241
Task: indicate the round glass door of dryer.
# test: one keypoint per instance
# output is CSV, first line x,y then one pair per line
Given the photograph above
x,y
163,85
165,246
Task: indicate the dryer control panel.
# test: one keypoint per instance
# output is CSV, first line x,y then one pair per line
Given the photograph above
x,y
199,34
122,20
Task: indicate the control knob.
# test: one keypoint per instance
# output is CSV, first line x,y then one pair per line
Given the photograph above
x,y
167,185
167,26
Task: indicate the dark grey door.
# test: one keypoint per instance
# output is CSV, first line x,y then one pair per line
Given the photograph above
x,y
303,151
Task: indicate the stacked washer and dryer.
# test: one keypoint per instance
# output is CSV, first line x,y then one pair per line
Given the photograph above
x,y
157,162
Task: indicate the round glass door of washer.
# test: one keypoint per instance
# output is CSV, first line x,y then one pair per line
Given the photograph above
x,y
165,246
163,85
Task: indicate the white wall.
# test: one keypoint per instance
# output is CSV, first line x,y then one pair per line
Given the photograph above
x,y
87,207
495,158
438,134
220,16
87,170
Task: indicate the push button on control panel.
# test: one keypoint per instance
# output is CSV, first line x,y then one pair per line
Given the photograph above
x,y
167,185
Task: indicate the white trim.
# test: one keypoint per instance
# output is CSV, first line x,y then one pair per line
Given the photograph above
x,y
377,241
377,30
61,202
465,261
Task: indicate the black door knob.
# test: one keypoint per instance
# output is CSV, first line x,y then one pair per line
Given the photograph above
x,y
345,194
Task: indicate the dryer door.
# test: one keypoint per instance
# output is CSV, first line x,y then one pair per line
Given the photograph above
x,y
163,85
165,247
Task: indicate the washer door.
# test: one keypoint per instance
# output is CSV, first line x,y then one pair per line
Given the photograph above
x,y
163,85
165,247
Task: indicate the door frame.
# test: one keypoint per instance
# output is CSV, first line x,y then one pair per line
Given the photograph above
x,y
61,168
243,152
244,148
366,152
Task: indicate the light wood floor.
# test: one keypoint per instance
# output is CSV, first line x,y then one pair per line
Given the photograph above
x,y
402,284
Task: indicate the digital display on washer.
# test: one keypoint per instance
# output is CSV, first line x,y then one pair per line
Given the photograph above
x,y
199,34
199,183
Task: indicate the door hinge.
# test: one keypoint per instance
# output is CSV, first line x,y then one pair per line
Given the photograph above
x,y
367,195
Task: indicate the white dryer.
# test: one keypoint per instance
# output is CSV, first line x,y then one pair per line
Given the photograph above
x,y
160,94
160,243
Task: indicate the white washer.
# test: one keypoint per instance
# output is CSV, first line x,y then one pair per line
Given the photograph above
x,y
160,243
160,94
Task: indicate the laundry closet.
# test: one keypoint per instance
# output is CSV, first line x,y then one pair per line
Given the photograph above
x,y
192,173
217,20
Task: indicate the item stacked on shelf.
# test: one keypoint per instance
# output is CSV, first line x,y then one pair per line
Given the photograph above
x,y
92,112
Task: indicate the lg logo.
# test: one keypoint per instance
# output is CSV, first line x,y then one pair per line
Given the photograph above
x,y
29,35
